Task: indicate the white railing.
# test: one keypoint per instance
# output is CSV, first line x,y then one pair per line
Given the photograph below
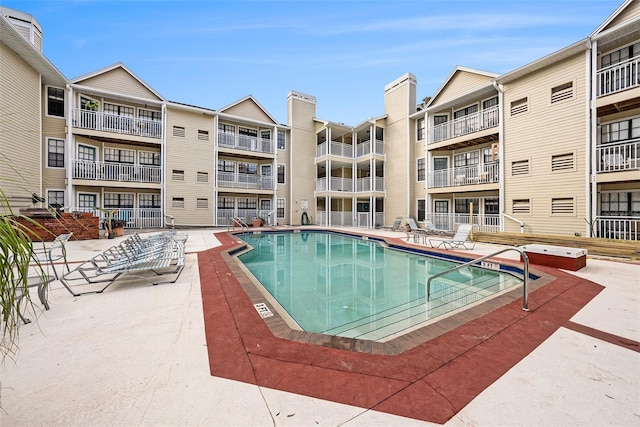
x,y
98,120
341,150
246,181
475,122
363,219
364,184
618,157
363,149
245,142
342,218
451,221
619,77
617,227
379,147
321,184
466,175
341,184
132,217
123,172
379,219
321,150
321,218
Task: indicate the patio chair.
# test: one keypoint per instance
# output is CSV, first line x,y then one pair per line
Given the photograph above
x,y
53,252
459,241
414,230
40,281
397,225
429,228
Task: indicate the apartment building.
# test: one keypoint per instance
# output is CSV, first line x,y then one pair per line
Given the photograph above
x,y
551,147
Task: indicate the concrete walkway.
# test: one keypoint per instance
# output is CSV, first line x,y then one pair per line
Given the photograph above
x,y
136,355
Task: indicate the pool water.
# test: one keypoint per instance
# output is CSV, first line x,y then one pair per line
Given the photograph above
x,y
340,285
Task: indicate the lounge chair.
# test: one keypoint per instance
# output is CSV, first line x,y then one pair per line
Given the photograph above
x,y
414,230
397,224
429,228
459,241
53,252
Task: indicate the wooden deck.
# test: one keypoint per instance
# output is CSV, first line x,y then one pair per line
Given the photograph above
x,y
601,247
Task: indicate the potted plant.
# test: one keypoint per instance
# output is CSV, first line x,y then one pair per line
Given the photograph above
x,y
91,105
257,222
112,226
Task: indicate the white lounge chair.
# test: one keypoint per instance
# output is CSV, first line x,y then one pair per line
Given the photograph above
x,y
397,225
460,240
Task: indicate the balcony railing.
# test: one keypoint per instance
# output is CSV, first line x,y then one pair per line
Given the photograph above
x,y
122,172
364,184
224,216
364,148
336,184
619,77
98,120
617,227
132,217
451,221
485,173
245,142
246,181
618,157
337,218
475,122
335,149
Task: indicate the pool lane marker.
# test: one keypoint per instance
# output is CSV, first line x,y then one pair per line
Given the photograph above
x,y
263,310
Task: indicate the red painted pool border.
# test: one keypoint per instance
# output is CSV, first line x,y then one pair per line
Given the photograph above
x,y
430,382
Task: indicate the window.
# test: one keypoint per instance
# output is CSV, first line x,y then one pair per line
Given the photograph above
x,y
203,135
620,55
87,202
248,168
226,166
149,158
55,153
281,174
178,131
519,106
247,203
466,159
465,120
421,169
148,200
562,92
116,155
177,175
463,206
563,206
177,202
440,129
490,103
154,116
247,131
118,200
118,110
521,206
623,203
280,207
86,153
562,162
520,167
420,126
55,199
620,131
55,101
202,203
226,202
421,209
282,140
202,177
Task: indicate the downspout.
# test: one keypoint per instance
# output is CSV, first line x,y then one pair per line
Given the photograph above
x,y
41,144
215,170
69,151
428,166
163,150
274,183
501,169
591,137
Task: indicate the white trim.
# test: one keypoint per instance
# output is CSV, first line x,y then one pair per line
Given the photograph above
x,y
64,153
46,102
285,174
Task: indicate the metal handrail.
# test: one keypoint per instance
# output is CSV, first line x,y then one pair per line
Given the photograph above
x,y
243,225
525,258
516,220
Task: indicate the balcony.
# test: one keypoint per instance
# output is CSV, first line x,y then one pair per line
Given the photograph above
x,y
335,149
364,184
335,184
121,172
245,142
244,181
618,157
461,126
617,227
364,148
336,218
451,221
485,173
97,120
618,77
132,217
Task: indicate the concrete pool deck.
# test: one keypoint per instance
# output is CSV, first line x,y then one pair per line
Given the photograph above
x,y
138,355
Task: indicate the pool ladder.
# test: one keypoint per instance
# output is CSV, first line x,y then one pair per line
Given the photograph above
x,y
236,221
525,282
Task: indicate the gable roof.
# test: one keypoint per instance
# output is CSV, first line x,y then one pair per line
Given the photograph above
x,y
455,71
613,16
249,98
117,65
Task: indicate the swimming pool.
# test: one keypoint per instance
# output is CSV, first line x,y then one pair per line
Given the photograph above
x,y
336,284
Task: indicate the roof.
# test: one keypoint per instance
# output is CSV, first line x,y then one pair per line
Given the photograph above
x,y
246,98
453,73
113,67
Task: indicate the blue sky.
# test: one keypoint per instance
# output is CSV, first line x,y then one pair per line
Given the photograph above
x,y
212,53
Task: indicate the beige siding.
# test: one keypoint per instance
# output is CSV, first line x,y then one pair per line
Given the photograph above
x,y
191,156
398,201
537,135
120,81
282,190
302,146
461,83
249,110
53,127
20,112
629,12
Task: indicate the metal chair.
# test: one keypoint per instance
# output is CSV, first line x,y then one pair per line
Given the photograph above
x,y
53,252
